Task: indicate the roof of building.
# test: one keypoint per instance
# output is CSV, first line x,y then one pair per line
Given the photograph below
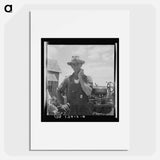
x,y
53,65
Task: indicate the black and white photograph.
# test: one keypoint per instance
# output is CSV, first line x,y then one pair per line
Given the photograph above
x,y
80,79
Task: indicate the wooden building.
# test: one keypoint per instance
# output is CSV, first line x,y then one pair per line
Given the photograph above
x,y
53,71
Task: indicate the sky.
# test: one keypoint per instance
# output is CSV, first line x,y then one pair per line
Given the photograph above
x,y
99,60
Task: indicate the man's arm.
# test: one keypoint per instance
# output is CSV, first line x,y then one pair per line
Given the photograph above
x,y
86,86
60,93
61,90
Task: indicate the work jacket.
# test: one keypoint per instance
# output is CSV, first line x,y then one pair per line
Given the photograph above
x,y
76,97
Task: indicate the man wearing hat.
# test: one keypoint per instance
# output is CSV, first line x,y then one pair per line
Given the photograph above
x,y
77,88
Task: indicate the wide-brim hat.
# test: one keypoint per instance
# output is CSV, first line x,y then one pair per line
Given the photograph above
x,y
76,60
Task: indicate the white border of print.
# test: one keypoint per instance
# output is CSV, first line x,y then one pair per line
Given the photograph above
x,y
81,135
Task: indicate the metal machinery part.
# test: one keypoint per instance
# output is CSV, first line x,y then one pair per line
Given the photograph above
x,y
101,100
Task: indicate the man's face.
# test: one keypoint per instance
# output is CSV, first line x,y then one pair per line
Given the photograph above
x,y
76,67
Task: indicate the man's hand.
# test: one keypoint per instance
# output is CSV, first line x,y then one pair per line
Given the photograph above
x,y
86,87
81,73
63,108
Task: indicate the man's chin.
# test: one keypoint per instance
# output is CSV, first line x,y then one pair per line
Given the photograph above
x,y
77,71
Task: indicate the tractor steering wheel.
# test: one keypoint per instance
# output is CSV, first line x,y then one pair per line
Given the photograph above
x,y
110,86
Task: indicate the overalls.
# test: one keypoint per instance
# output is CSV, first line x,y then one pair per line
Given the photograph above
x,y
77,98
